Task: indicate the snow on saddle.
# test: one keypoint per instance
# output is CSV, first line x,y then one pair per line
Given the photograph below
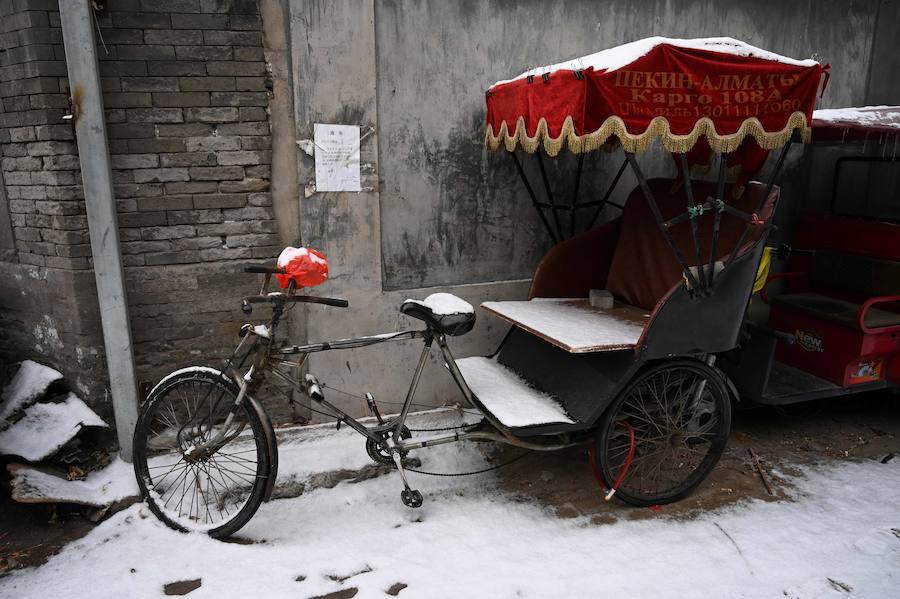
x,y
442,312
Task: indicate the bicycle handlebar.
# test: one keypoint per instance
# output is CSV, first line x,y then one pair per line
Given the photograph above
x,y
263,269
247,302
328,301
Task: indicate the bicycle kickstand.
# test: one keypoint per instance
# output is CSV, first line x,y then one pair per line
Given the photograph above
x,y
409,497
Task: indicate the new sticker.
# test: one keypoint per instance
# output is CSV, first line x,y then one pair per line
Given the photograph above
x,y
809,341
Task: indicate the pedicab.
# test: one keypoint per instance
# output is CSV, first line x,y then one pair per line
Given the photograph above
x,y
832,324
631,372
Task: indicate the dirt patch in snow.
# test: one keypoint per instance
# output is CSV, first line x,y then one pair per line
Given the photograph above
x,y
30,534
861,427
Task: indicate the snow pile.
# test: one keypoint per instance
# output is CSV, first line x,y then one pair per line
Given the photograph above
x,y
101,488
620,56
46,427
507,396
38,424
30,382
444,304
470,540
884,116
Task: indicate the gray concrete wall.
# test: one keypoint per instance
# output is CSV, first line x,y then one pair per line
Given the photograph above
x,y
452,213
438,210
333,52
883,83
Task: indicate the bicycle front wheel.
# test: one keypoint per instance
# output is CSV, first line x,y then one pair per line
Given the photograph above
x,y
198,468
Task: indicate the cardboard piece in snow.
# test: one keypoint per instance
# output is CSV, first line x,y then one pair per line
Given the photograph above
x,y
113,484
46,427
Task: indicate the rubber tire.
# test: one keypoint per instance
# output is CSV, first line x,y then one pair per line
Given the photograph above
x,y
260,435
709,462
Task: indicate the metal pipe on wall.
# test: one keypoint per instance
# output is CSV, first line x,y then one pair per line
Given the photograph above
x,y
77,21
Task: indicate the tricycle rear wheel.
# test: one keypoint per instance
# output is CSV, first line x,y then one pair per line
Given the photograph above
x,y
673,421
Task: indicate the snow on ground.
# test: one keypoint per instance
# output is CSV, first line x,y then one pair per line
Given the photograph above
x,y
29,383
841,531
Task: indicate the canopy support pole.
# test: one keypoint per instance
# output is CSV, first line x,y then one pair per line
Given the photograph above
x,y
654,208
534,200
549,192
695,230
606,196
719,208
762,202
575,195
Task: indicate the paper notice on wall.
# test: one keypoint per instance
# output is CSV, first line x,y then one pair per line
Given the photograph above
x,y
337,157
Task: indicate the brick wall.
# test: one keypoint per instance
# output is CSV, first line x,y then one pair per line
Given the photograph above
x,y
48,308
186,99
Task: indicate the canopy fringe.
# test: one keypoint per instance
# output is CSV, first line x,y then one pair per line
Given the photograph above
x,y
614,126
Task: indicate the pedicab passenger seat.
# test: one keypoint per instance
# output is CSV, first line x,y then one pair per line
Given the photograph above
x,y
442,312
630,258
840,284
644,269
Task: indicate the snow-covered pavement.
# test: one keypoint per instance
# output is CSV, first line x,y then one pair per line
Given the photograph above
x,y
838,537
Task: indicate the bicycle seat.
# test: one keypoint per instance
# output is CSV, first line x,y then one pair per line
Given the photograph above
x,y
442,312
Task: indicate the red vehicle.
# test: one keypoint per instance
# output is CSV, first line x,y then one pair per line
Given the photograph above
x,y
833,322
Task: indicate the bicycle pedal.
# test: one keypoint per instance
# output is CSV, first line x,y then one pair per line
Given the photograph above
x,y
411,498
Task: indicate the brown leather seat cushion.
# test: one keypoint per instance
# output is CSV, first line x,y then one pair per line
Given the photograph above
x,y
835,310
644,268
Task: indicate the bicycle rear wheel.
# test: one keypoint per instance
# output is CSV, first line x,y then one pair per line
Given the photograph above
x,y
215,490
673,421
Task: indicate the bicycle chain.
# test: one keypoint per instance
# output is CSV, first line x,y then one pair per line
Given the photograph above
x,y
445,474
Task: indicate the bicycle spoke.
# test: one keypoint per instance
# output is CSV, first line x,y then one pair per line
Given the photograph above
x,y
676,421
193,488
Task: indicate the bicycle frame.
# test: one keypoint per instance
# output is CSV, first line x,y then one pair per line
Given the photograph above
x,y
385,433
395,425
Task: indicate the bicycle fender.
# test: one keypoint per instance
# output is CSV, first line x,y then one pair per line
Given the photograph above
x,y
271,445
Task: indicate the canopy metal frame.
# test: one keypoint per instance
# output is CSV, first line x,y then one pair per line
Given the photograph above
x,y
701,280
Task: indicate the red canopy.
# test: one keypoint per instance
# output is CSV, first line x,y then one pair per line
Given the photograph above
x,y
865,122
677,90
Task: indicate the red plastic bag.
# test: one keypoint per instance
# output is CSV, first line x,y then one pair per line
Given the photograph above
x,y
305,266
